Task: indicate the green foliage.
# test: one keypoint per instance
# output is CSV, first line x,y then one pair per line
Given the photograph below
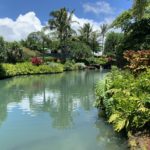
x,y
93,43
125,99
54,46
60,21
123,20
137,36
69,66
80,66
136,27
85,33
97,60
14,52
89,37
28,53
112,41
79,50
139,9
10,51
3,55
37,41
9,70
104,29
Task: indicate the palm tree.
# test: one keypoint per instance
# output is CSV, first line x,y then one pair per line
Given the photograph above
x,y
104,29
61,22
85,32
139,7
94,44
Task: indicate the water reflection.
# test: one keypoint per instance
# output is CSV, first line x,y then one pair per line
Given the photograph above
x,y
53,111
59,95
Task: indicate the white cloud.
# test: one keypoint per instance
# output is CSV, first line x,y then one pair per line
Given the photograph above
x,y
95,24
19,29
100,7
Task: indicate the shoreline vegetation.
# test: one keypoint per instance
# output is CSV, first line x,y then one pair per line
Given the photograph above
x,y
124,97
27,68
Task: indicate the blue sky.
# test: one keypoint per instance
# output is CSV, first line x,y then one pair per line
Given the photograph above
x,y
96,11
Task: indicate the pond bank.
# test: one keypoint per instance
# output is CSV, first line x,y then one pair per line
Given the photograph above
x,y
139,141
125,100
27,68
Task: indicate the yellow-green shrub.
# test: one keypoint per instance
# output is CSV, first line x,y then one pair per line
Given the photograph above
x,y
27,68
125,99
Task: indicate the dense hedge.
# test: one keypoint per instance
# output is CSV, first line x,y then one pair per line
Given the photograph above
x,y
125,99
9,70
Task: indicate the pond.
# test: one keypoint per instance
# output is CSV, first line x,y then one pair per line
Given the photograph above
x,y
54,112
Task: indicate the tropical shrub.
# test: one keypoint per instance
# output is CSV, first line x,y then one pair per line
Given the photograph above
x,y
138,61
11,52
125,99
99,60
14,52
80,66
36,61
69,66
79,50
112,41
9,70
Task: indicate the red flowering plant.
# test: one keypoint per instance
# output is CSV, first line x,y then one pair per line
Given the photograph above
x,y
138,60
36,61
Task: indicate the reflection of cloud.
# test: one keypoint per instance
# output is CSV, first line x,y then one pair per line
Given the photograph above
x,y
24,105
30,106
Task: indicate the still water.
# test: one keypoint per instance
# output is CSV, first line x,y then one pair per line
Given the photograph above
x,y
54,112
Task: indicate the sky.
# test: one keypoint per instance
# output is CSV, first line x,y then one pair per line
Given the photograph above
x,y
18,18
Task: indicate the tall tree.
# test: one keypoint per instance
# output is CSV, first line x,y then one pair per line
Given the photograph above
x,y
139,7
104,29
60,21
2,50
85,33
37,41
113,40
140,10
94,44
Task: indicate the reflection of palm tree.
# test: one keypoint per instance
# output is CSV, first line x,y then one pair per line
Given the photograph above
x,y
61,113
3,111
60,94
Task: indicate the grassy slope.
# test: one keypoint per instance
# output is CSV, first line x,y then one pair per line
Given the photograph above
x,y
30,53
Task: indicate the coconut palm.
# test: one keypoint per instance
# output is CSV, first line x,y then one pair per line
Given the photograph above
x,y
104,29
94,44
85,32
60,21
